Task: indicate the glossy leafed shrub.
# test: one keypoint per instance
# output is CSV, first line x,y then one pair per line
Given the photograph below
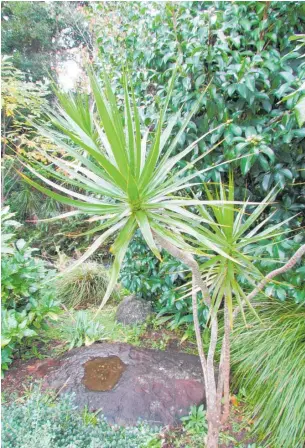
x,y
145,275
162,282
249,54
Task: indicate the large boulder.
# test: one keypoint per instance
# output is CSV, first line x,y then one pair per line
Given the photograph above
x,y
133,311
128,383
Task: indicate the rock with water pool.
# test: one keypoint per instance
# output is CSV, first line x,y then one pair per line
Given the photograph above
x,y
128,383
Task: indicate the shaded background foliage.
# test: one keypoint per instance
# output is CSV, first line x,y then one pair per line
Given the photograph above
x,y
37,38
38,35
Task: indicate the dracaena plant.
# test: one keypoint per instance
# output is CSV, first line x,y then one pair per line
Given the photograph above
x,y
236,231
229,279
123,177
219,281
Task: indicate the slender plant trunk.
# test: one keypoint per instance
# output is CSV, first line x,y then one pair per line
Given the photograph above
x,y
213,435
213,401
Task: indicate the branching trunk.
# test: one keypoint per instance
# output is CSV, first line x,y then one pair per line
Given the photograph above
x,y
290,263
215,391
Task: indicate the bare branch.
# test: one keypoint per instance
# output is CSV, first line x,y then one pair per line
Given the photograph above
x,y
289,265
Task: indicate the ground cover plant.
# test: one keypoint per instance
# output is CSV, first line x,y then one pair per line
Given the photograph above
x,y
84,331
40,421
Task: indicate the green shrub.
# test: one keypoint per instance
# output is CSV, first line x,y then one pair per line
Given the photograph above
x,y
268,361
145,275
84,330
39,422
163,282
84,286
27,297
195,423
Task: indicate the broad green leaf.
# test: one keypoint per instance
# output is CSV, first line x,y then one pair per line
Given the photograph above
x,y
300,111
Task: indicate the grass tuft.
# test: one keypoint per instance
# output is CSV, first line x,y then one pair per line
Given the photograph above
x,y
84,286
268,360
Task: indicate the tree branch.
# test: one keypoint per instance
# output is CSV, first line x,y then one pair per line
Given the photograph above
x,y
289,265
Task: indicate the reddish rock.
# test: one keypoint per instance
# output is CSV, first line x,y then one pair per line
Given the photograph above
x,y
155,386
22,374
41,368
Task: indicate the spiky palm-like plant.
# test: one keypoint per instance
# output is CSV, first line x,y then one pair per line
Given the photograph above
x,y
121,177
235,231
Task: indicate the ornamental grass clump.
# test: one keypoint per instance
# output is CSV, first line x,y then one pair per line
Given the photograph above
x,y
84,286
268,361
